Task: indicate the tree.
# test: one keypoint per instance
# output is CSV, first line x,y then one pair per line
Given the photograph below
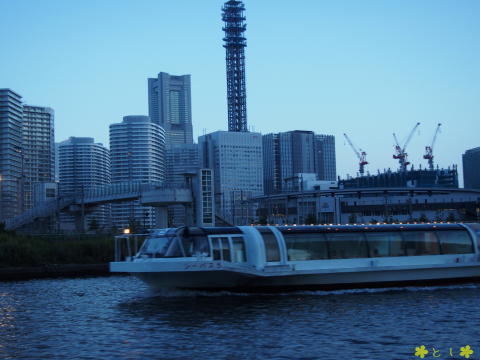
x,y
451,217
352,219
262,220
423,218
134,226
93,225
311,219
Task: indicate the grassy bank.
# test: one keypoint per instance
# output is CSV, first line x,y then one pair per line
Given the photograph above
x,y
23,251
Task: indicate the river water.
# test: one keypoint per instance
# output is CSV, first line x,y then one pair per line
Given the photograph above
x,y
119,318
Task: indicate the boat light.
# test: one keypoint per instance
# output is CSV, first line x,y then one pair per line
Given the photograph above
x,y
126,231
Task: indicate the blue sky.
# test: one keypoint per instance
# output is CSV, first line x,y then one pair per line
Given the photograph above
x,y
368,68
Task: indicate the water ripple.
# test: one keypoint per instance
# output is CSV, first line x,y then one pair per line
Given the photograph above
x,y
119,318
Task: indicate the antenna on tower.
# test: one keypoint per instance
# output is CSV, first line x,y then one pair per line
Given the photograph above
x,y
235,43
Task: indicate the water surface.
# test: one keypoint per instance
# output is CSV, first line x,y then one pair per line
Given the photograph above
x,y
119,318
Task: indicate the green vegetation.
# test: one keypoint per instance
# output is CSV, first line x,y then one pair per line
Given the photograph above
x,y
18,250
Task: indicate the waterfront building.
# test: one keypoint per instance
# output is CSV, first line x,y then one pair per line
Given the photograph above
x,y
370,205
236,161
438,178
289,153
471,164
83,165
137,148
170,106
38,150
11,194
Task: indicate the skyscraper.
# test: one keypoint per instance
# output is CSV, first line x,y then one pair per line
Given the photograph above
x,y
38,149
83,164
293,152
170,106
236,161
235,43
137,148
325,158
471,164
10,154
182,160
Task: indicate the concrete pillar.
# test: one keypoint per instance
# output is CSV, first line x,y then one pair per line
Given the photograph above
x,y
188,215
161,216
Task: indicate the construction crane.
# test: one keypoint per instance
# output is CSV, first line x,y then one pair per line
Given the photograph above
x,y
400,151
429,149
362,156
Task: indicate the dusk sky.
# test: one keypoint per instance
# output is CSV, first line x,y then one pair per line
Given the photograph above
x,y
368,68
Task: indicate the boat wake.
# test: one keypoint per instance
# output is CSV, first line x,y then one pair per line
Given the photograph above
x,y
179,293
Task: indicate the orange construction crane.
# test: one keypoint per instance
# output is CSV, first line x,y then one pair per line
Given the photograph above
x,y
429,149
400,151
362,155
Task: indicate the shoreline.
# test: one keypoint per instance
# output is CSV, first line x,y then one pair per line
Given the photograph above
x,y
53,271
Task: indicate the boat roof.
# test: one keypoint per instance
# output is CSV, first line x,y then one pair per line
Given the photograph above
x,y
372,228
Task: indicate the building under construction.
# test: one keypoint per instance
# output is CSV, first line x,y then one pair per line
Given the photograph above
x,y
421,178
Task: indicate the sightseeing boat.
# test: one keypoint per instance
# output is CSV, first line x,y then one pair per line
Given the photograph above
x,y
279,258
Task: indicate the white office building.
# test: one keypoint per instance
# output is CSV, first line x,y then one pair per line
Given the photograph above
x,y
236,161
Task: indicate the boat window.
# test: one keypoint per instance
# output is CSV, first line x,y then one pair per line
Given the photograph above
x,y
155,246
306,246
455,242
216,254
221,249
238,249
420,243
272,250
225,249
200,245
347,245
385,244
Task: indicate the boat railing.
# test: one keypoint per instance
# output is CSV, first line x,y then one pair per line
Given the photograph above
x,y
127,246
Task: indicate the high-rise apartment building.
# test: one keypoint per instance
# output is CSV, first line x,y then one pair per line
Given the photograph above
x,y
137,148
11,179
83,165
236,161
471,164
170,106
294,152
38,150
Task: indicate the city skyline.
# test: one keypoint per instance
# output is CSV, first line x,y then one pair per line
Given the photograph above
x,y
338,67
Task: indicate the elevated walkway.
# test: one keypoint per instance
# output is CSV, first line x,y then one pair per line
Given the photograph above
x,y
149,194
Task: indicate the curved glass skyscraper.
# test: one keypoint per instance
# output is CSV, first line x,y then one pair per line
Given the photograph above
x,y
137,151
